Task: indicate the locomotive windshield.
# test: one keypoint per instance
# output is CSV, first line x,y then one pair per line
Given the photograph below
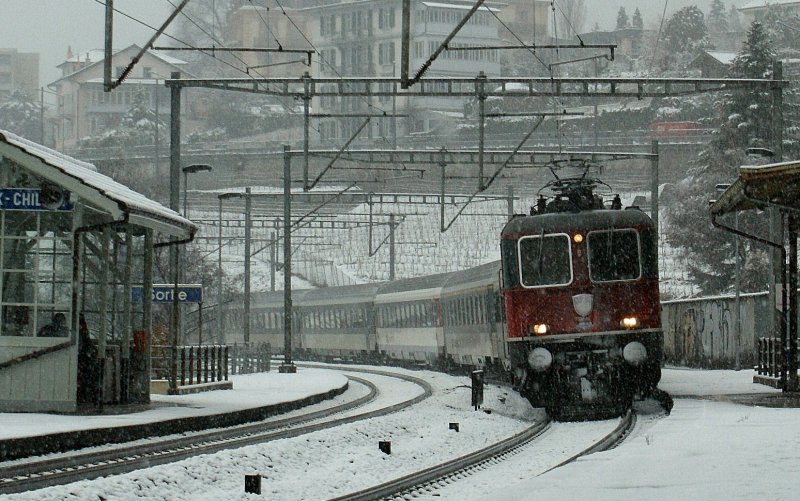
x,y
614,255
545,260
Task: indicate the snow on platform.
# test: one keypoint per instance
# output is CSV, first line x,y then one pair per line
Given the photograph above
x,y
249,391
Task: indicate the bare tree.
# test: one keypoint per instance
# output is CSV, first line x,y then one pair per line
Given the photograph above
x,y
571,16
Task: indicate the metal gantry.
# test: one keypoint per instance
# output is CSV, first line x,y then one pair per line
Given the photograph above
x,y
480,87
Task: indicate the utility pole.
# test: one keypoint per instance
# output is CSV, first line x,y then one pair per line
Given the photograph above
x,y
174,204
392,257
778,285
220,332
248,209
287,366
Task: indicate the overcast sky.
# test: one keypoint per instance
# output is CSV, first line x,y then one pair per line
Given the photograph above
x,y
49,27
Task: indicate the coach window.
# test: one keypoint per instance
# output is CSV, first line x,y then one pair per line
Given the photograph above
x,y
545,260
614,255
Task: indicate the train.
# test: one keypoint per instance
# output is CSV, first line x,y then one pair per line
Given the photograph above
x,y
570,314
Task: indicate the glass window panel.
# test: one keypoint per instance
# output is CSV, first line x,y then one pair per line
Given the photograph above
x,y
545,260
614,255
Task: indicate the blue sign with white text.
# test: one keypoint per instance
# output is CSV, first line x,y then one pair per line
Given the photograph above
x,y
29,199
164,293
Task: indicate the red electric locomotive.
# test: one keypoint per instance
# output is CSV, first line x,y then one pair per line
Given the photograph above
x,y
583,317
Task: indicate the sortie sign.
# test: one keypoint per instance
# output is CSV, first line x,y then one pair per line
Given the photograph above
x,y
163,293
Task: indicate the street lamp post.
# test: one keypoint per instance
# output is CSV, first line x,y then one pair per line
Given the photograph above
x,y
191,169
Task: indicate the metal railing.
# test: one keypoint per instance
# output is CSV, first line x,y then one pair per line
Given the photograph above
x,y
770,357
210,363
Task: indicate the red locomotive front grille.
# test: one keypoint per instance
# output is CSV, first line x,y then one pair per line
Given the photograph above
x,y
554,306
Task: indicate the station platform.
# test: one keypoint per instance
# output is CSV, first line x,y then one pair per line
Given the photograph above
x,y
253,397
726,386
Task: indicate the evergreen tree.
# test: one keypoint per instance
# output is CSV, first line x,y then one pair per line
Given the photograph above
x,y
22,115
743,120
136,127
637,21
718,17
622,19
782,28
686,30
748,119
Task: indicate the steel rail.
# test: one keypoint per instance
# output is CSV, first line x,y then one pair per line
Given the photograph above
x,y
613,439
407,486
24,476
410,482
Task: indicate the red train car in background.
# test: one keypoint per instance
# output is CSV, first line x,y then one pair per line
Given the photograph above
x,y
581,299
675,129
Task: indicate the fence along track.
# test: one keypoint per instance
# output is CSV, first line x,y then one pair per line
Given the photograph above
x,y
38,474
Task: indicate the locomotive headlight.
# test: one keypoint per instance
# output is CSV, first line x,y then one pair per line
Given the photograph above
x,y
540,359
577,238
540,329
630,322
634,353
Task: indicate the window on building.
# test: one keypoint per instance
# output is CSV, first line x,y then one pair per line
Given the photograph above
x,y
386,18
386,53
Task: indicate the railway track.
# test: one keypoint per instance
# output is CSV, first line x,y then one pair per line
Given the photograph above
x,y
24,475
429,480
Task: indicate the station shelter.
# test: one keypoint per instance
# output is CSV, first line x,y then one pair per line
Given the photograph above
x,y
771,193
73,243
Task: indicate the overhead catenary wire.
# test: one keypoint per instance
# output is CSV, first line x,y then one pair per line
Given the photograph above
x,y
331,66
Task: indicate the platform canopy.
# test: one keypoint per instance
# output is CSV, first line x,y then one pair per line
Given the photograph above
x,y
760,186
773,186
95,190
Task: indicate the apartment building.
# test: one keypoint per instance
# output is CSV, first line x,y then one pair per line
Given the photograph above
x,y
19,72
756,9
84,108
363,39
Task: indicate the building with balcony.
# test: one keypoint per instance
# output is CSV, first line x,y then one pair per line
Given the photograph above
x,y
84,108
19,72
363,39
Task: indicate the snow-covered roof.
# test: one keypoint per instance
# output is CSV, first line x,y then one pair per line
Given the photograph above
x,y
761,185
759,4
722,56
97,56
96,189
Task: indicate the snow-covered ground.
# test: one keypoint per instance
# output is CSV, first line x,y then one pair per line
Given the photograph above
x,y
706,449
249,391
